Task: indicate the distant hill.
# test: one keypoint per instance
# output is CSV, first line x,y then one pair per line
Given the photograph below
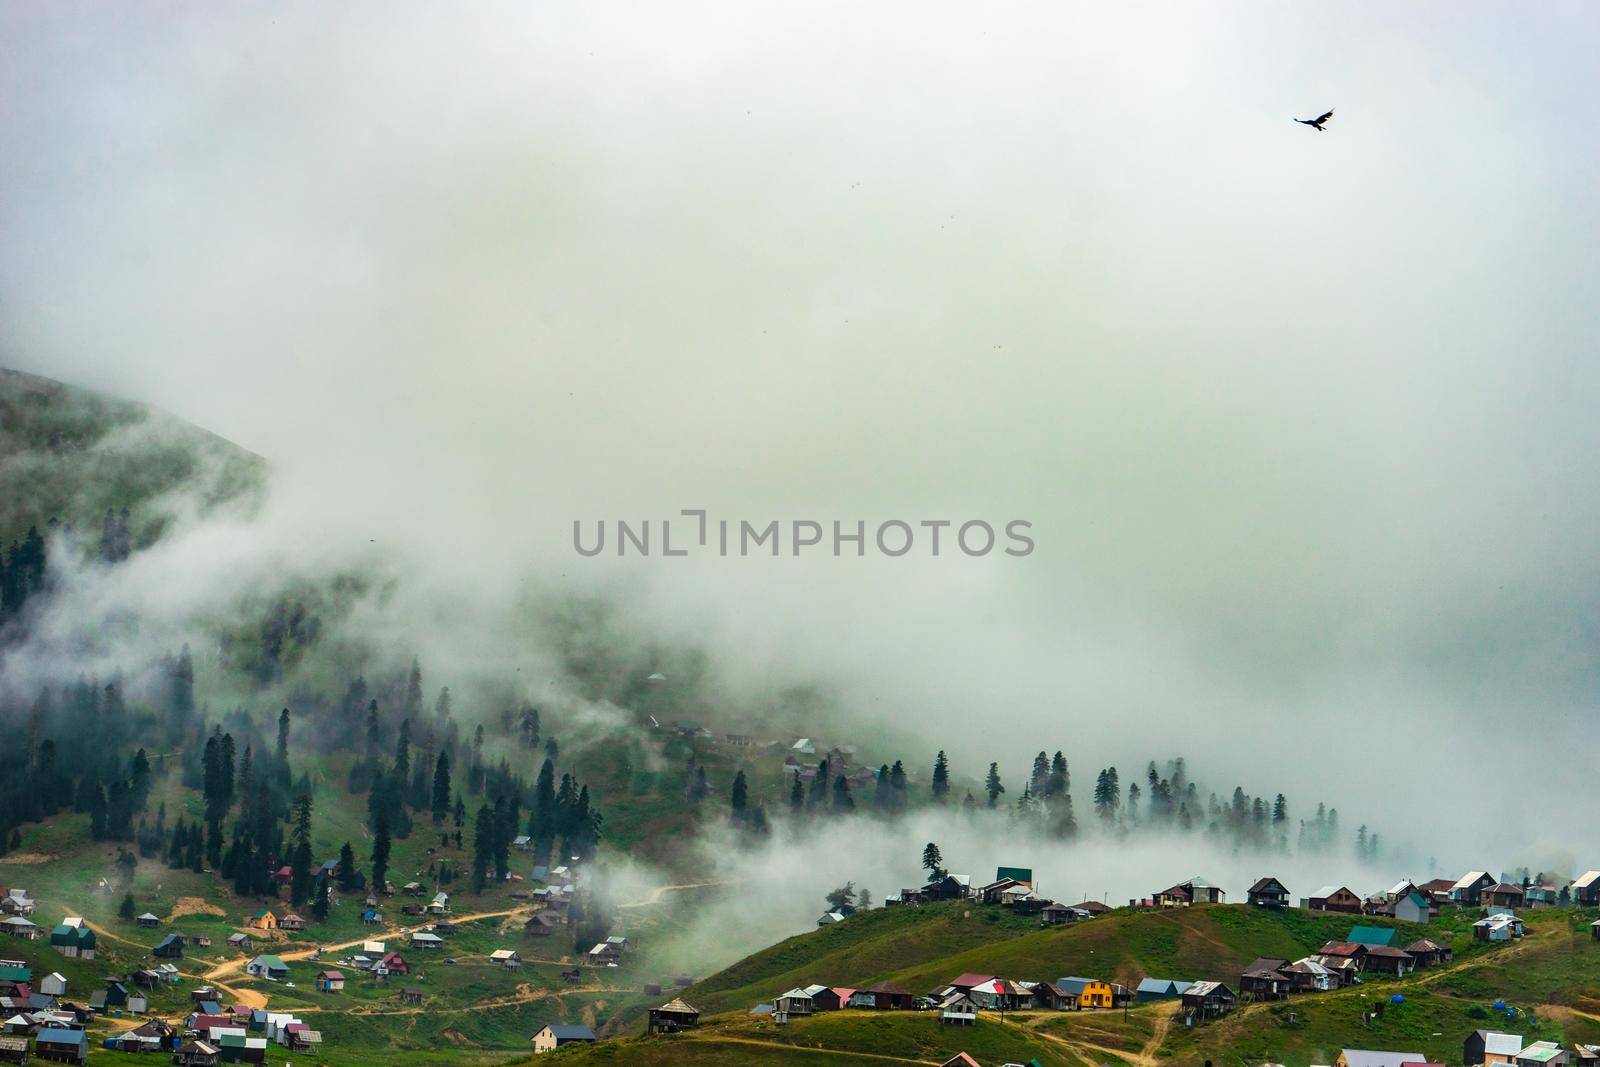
x,y
69,454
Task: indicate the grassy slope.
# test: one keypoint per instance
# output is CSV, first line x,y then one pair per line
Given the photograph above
x,y
69,454
1553,977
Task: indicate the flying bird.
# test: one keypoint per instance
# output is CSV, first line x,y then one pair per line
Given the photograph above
x,y
1319,122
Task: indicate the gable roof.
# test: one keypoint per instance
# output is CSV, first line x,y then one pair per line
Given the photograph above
x,y
570,1032
1586,879
1371,935
1470,879
1360,1057
677,1006
1263,884
1330,890
1501,1044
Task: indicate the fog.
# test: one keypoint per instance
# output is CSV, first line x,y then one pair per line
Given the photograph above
x,y
1302,421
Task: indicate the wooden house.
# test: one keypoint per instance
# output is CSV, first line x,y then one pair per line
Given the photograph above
x,y
148,921
411,995
1159,989
1585,889
1268,893
1335,898
958,1009
1428,952
241,942
1502,895
1309,975
169,948
794,1003
1265,980
1194,891
1469,888
672,1017
1412,908
330,981
560,1035
508,958
885,996
1386,959
292,921
1490,1047
263,920
1208,1000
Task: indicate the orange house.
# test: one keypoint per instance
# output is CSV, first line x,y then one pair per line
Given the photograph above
x,y
264,920
1090,992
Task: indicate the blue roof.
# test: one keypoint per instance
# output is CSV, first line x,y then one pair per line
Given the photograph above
x,y
1372,935
570,1032
55,1036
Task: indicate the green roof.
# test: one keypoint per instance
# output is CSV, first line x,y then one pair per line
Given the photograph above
x,y
272,962
1372,935
1021,874
15,974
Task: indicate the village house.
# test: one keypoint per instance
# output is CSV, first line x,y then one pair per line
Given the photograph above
x,y
795,1002
169,948
423,939
1334,898
61,1046
53,985
1268,893
1498,928
292,921
15,901
1309,975
1490,1047
1265,979
147,920
885,996
1585,889
1194,891
1361,1057
330,981
263,920
17,926
1207,1000
1502,895
1543,1054
241,942
559,1035
1428,952
672,1017
958,1009
391,963
1412,908
267,967
73,938
1088,993
1469,888
1345,958
411,995
541,924
505,957
1160,989
1386,959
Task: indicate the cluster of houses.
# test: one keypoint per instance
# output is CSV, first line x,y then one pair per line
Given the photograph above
x,y
1482,1047
1013,887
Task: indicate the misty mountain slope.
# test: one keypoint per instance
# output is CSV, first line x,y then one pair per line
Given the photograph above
x,y
69,454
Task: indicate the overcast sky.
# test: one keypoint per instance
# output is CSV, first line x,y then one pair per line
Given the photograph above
x,y
1304,422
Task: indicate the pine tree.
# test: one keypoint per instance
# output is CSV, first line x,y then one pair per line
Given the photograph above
x,y
897,787
320,901
941,778
380,853
1059,781
1040,778
125,909
482,848
797,795
991,784
300,857
441,788
738,799
932,860
345,873
843,803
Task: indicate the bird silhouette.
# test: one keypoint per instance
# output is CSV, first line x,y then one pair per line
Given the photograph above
x,y
1319,122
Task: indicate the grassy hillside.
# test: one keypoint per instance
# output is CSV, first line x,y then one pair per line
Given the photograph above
x,y
1551,979
69,454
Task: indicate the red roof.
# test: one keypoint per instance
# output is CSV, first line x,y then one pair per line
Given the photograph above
x,y
960,1059
206,1022
1343,948
969,980
843,994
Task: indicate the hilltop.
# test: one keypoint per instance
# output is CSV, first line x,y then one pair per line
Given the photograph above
x,y
69,454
